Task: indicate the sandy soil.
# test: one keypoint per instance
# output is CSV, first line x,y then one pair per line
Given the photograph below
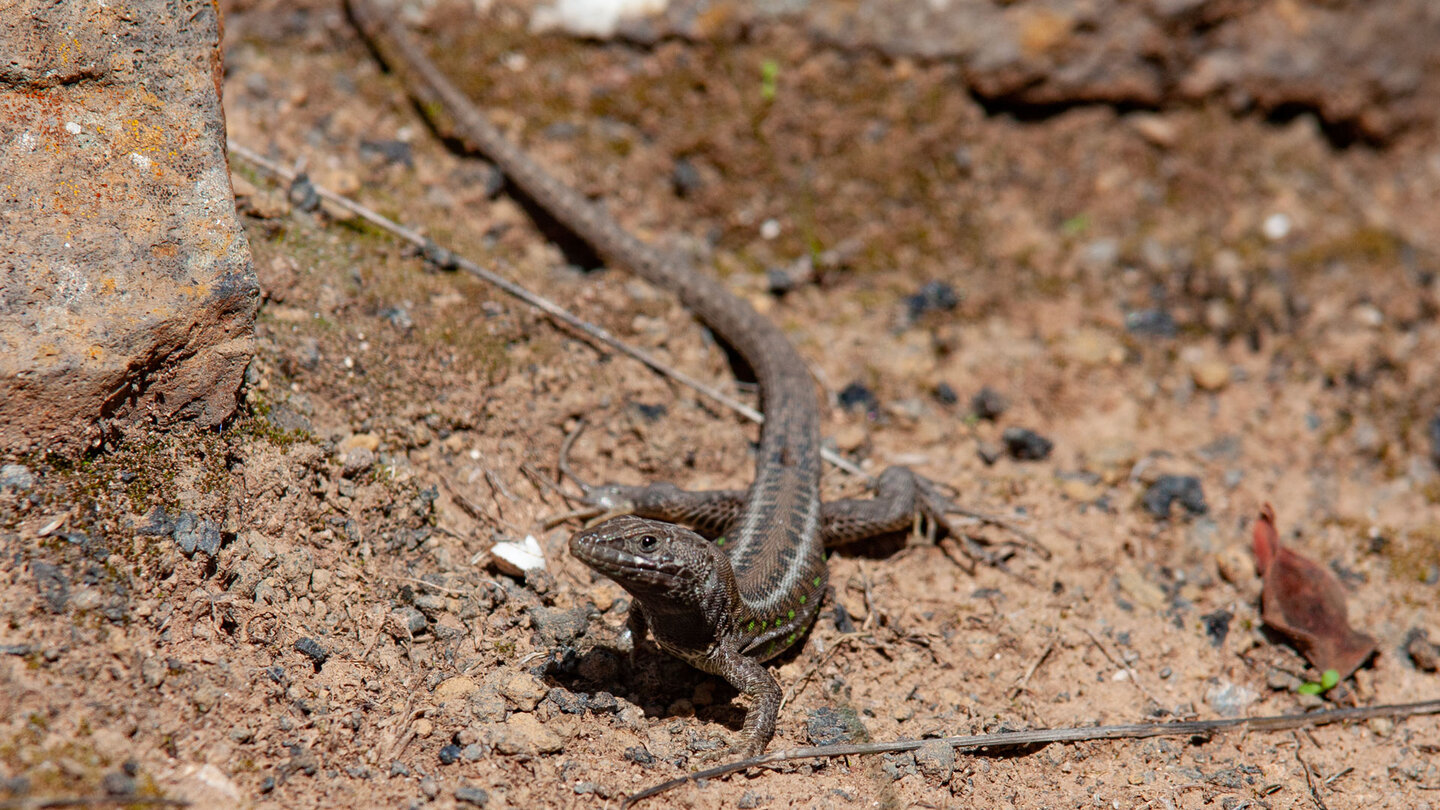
x,y
1179,293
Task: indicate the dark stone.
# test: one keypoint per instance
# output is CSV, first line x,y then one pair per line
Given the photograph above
x,y
1217,626
302,193
1169,489
935,296
566,701
1435,438
559,628
945,395
472,795
1024,444
1151,323
685,178
394,152
450,754
856,396
988,404
194,533
312,649
650,413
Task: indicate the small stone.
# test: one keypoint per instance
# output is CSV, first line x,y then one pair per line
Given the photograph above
x,y
1229,699
422,727
1217,626
1434,430
936,759
934,296
1024,444
312,649
487,705
404,620
524,690
944,394
685,178
559,628
473,753
1156,129
456,688
988,404
194,533
356,461
398,768
1080,490
1151,323
1381,726
1237,566
1423,654
857,397
1169,489
1092,347
320,580
450,754
53,585
430,787
1276,227
472,795
1210,375
17,477
524,734
118,783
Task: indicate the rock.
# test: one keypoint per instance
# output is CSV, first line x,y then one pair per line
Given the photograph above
x,y
1089,346
988,404
524,734
53,585
194,533
311,649
1423,654
936,759
1169,489
360,441
523,689
1210,375
1141,590
456,688
1237,566
472,795
17,477
1024,444
1229,699
126,279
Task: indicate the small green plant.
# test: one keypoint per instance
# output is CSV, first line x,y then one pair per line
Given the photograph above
x,y
1328,679
769,78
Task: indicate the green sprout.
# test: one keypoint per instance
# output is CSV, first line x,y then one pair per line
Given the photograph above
x,y
1328,679
769,76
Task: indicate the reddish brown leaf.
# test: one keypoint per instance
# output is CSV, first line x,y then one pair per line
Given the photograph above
x,y
1304,601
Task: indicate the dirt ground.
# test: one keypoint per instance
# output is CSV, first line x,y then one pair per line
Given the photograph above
x,y
1179,293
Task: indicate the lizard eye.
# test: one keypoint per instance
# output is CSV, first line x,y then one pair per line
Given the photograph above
x,y
649,542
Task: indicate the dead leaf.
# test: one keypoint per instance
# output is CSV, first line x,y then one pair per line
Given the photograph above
x,y
1304,601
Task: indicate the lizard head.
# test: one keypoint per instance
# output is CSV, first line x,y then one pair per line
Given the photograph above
x,y
667,566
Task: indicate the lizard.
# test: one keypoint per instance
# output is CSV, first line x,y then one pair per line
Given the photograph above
x,y
725,579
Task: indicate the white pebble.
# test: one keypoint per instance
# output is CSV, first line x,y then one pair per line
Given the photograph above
x,y
1276,227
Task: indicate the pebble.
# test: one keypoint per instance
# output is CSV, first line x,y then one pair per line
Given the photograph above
x,y
1276,227
312,650
1151,323
685,178
16,476
450,754
523,689
356,461
194,533
1093,347
1217,626
456,688
1423,654
1230,699
1024,444
1237,566
1156,129
833,726
559,628
1169,489
936,759
945,394
934,296
422,727
1080,490
988,404
320,580
473,752
524,734
472,795
857,396
1210,375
